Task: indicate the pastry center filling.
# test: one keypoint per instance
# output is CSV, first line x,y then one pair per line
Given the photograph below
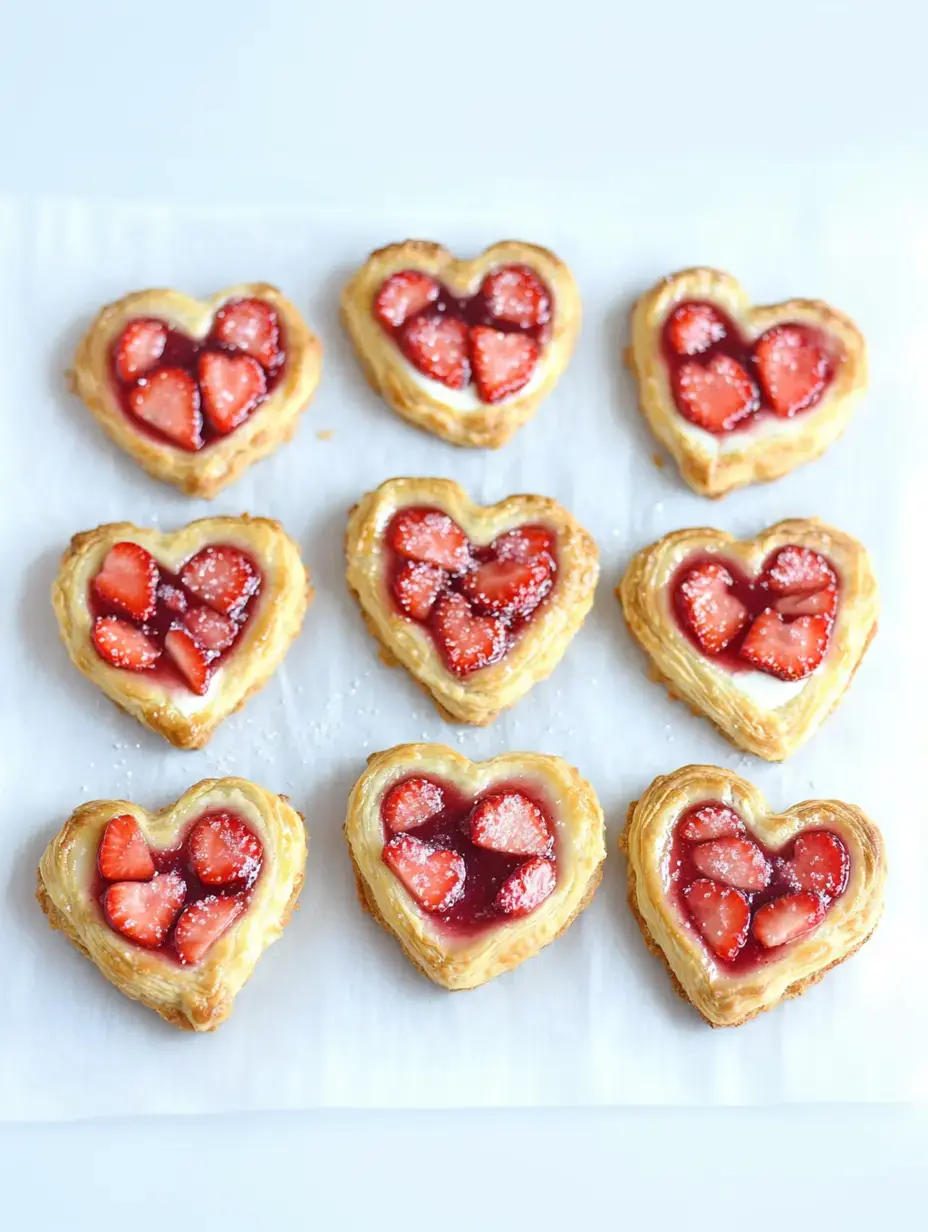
x,y
474,601
176,628
780,623
189,393
181,900
746,900
493,338
469,861
722,383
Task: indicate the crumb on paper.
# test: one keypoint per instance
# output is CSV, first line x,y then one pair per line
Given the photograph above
x,y
325,434
658,459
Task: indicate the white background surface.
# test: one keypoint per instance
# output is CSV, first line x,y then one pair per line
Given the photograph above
x,y
642,121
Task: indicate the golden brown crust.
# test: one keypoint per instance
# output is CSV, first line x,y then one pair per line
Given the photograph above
x,y
462,420
773,722
713,466
207,471
181,717
451,961
196,998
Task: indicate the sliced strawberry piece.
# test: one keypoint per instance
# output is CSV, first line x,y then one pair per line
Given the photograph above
x,y
784,919
202,924
503,363
694,327
509,821
820,863
516,294
123,645
209,629
714,615
794,368
431,536
124,854
417,586
223,577
169,401
232,386
821,603
140,347
508,586
788,651
798,571
191,660
144,911
412,803
129,580
403,295
224,851
435,878
468,641
436,344
712,821
173,598
716,396
525,543
250,325
734,861
527,887
721,914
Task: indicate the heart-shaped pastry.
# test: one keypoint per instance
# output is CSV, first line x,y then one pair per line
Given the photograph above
x,y
179,629
473,866
762,636
464,349
741,394
478,602
175,908
746,907
197,390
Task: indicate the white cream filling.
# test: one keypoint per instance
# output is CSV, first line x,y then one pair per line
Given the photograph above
x,y
765,691
190,703
732,442
467,400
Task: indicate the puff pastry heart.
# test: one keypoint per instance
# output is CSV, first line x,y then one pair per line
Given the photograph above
x,y
746,907
762,636
197,390
180,628
464,349
741,394
478,602
175,908
473,866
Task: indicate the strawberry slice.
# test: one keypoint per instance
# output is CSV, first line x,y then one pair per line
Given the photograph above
x,y
503,363
694,327
524,543
515,294
202,924
224,851
788,651
469,642
129,580
509,821
191,660
431,536
435,878
820,863
527,887
798,571
436,344
712,821
232,387
417,586
169,402
714,615
822,603
143,911
140,347
507,586
794,368
209,629
173,598
223,577
123,645
412,803
716,396
733,861
250,325
721,914
784,919
403,295
124,854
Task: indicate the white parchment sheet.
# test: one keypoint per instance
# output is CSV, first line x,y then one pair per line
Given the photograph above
x,y
334,1015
